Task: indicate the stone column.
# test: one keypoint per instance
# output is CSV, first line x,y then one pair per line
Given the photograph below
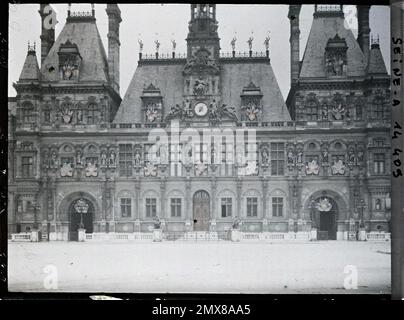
x,y
239,188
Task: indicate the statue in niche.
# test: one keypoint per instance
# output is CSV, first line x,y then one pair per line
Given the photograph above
x,y
188,109
324,111
103,158
45,162
360,157
324,156
67,115
300,157
291,157
54,161
112,158
137,158
79,116
265,157
78,158
351,158
213,155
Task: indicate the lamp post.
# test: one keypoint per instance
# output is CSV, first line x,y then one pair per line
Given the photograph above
x,y
361,207
36,207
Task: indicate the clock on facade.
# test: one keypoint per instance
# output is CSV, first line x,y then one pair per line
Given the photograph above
x,y
201,109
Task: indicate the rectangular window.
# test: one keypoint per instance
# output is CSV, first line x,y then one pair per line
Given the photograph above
x,y
151,207
277,207
227,207
277,158
312,113
26,167
227,159
27,115
252,207
175,207
125,160
126,207
175,160
379,163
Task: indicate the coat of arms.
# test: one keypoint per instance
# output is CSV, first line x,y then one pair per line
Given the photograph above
x,y
312,167
66,170
323,205
338,167
200,168
150,170
91,170
151,113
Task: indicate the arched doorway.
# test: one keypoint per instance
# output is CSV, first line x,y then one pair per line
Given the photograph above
x,y
81,214
325,218
201,211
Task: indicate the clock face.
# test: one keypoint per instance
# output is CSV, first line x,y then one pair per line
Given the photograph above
x,y
201,109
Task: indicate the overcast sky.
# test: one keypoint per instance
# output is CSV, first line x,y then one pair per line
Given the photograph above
x,y
170,21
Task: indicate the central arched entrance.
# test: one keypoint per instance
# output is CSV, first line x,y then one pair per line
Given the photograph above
x,y
81,214
325,218
201,211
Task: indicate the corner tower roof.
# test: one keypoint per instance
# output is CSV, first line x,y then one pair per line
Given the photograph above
x,y
30,70
82,31
326,25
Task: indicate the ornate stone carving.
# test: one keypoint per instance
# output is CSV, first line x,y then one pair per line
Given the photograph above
x,y
323,205
150,170
338,168
66,170
151,112
66,114
201,87
291,157
252,111
200,168
217,111
201,60
312,167
91,170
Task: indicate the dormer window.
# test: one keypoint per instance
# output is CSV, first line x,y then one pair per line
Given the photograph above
x,y
152,105
335,57
251,103
69,61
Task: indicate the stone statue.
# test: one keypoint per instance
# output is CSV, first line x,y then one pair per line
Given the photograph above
x,y
236,224
156,223
265,158
233,43
200,87
103,159
291,157
157,45
266,42
112,158
325,156
140,45
250,41
137,158
174,44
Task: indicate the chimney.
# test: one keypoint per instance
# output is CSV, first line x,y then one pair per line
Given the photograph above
x,y
114,19
363,29
48,23
294,40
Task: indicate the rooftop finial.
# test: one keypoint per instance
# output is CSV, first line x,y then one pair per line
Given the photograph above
x,y
374,41
69,9
31,49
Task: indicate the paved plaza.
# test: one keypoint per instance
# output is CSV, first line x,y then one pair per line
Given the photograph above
x,y
225,267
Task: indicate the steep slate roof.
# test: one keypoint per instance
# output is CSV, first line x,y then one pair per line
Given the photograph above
x,y
94,65
30,70
323,28
376,64
234,77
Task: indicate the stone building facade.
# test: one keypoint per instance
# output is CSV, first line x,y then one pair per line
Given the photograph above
x,y
81,155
